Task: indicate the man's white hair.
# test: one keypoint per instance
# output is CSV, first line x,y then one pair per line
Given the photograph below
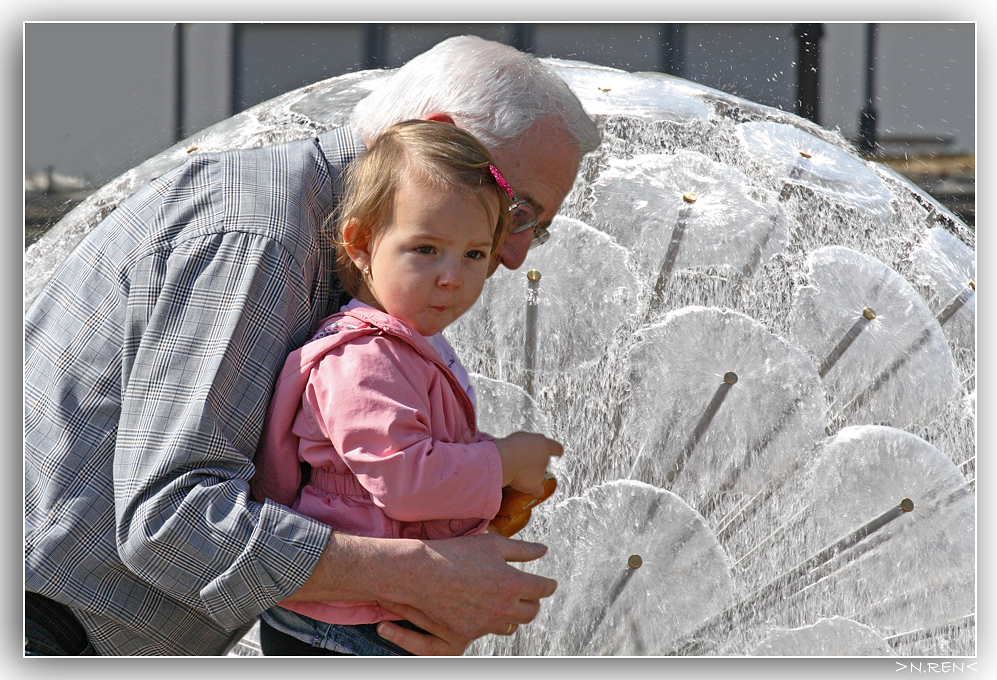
x,y
493,91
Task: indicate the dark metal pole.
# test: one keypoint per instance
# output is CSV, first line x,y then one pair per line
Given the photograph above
x,y
730,378
956,304
674,244
672,48
532,307
808,70
236,103
375,47
790,583
832,358
522,37
178,99
867,117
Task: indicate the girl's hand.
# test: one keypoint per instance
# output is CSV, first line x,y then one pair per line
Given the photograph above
x,y
525,456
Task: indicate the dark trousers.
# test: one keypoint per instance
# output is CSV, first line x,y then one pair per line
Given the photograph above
x,y
50,629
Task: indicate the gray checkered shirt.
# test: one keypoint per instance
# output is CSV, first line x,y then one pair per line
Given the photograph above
x,y
149,360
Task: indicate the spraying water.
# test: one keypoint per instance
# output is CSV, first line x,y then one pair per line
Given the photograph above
x,y
759,352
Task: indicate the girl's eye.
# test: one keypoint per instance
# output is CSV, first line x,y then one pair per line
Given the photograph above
x,y
425,250
475,254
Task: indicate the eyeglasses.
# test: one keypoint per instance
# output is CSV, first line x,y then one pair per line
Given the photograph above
x,y
523,216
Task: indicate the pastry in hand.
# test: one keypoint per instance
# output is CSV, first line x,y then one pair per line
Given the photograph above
x,y
516,508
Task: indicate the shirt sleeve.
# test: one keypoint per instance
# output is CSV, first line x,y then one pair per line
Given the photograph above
x,y
382,414
208,324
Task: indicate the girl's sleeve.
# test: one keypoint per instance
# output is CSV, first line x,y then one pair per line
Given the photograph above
x,y
373,402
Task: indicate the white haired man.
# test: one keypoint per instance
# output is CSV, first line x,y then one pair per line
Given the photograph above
x,y
150,358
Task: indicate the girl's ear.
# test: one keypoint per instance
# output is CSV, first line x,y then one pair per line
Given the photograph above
x,y
357,250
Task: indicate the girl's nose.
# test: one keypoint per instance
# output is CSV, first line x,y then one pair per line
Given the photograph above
x,y
449,276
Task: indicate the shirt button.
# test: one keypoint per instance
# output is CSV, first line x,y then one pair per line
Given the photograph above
x,y
454,526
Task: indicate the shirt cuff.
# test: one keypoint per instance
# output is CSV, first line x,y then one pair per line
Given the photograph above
x,y
280,557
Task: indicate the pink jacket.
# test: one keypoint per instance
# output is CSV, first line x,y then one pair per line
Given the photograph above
x,y
391,439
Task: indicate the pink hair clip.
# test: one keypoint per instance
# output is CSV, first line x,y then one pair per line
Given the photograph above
x,y
501,181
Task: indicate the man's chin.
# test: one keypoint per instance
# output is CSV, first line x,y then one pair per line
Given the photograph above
x,y
518,262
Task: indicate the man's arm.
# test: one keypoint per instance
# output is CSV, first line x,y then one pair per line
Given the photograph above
x,y
207,327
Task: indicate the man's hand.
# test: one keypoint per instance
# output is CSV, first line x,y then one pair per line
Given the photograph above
x,y
440,642
458,589
467,586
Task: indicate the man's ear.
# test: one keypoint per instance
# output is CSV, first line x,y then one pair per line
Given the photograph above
x,y
441,117
357,250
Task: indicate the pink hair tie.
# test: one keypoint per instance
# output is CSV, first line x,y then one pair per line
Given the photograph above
x,y
501,180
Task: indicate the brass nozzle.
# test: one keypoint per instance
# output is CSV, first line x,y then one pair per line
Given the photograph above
x,y
689,197
906,505
634,562
533,275
972,284
730,377
869,313
806,155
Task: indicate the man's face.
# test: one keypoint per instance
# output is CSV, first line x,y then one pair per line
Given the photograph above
x,y
540,168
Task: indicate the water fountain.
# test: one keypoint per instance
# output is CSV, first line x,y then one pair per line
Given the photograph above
x,y
759,352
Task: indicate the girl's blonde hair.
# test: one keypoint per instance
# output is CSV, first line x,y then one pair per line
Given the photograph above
x,y
448,158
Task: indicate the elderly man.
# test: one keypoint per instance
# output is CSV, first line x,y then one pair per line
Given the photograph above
x,y
151,355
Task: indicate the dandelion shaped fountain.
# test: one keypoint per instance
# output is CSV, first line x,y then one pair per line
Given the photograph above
x,y
759,352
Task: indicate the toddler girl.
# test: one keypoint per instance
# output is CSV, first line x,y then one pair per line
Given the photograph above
x,y
376,403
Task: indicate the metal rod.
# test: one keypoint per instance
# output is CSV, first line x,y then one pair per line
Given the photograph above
x,y
673,246
794,580
704,422
532,307
832,358
887,373
794,174
957,303
967,621
614,594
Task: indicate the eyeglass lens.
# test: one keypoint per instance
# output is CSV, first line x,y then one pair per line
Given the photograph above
x,y
522,216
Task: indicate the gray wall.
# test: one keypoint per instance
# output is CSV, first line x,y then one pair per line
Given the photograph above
x,y
100,98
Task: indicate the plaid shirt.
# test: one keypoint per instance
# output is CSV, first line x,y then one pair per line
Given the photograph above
x,y
149,360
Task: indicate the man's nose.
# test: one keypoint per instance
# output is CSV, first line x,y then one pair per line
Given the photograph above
x,y
514,249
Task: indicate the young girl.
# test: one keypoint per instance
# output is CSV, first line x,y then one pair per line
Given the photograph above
x,y
376,403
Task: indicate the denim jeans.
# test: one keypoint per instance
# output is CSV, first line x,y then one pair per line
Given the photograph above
x,y
358,640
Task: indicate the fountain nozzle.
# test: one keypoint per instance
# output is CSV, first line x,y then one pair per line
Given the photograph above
x,y
869,313
972,284
906,505
730,377
689,197
533,275
634,562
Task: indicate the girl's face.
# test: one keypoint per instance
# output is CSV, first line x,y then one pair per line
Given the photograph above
x,y
429,264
